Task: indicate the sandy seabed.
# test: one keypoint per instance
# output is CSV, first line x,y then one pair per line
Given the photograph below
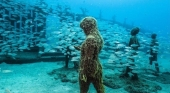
x,y
33,78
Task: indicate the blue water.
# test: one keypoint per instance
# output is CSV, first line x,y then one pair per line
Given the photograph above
x,y
151,16
148,14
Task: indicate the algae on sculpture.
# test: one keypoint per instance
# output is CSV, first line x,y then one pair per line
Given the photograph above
x,y
90,68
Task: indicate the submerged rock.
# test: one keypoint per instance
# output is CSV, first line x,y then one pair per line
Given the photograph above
x,y
65,74
112,81
131,86
142,86
163,78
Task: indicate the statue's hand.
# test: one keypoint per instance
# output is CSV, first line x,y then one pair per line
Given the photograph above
x,y
77,47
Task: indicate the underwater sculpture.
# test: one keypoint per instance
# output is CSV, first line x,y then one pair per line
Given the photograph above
x,y
154,51
67,57
134,39
90,68
134,44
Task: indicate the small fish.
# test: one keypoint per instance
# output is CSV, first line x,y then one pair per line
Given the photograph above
x,y
31,25
130,74
19,21
40,24
149,75
134,45
7,71
149,55
40,52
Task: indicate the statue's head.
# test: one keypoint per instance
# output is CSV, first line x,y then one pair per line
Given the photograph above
x,y
135,31
153,36
87,24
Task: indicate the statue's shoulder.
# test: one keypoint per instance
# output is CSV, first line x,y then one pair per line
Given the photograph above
x,y
90,37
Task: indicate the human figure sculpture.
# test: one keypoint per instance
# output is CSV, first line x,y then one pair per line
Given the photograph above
x,y
90,69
